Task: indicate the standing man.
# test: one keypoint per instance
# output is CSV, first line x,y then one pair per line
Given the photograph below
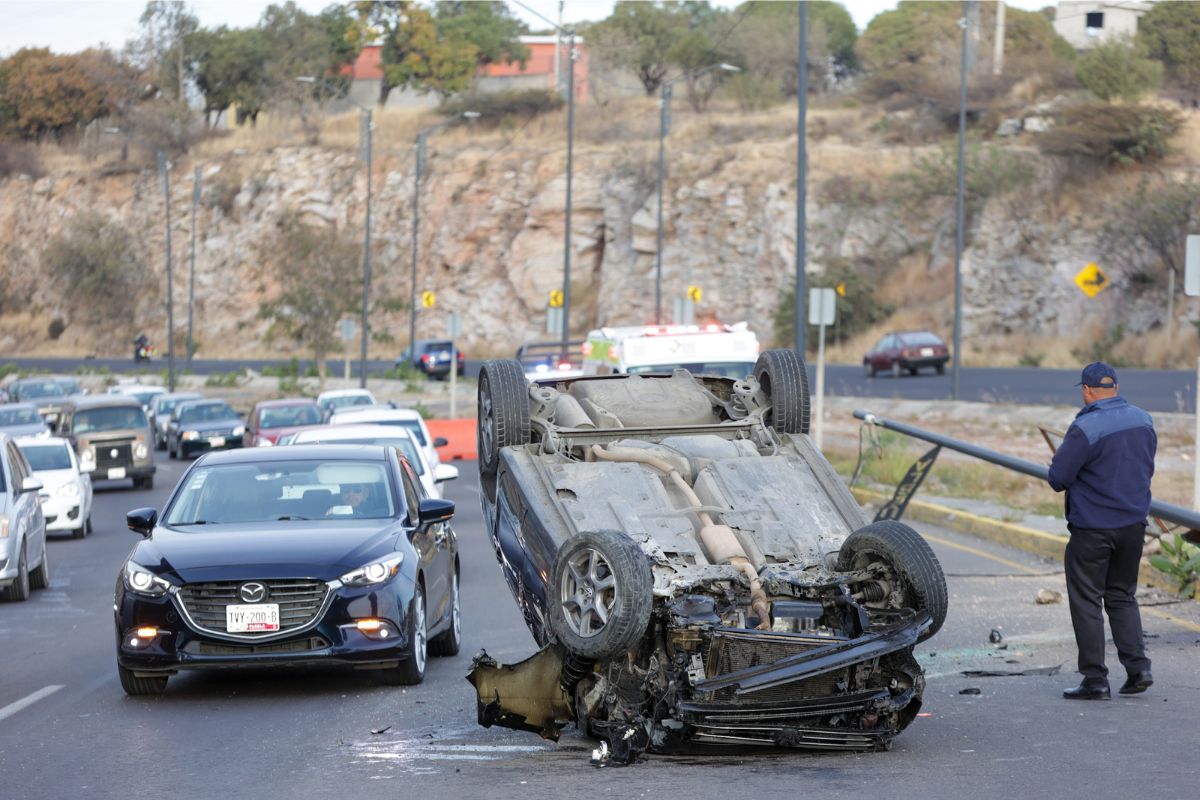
x,y
1105,464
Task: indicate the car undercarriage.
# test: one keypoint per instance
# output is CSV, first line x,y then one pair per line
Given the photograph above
x,y
693,569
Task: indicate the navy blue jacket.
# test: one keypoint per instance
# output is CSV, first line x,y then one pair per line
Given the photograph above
x,y
1105,465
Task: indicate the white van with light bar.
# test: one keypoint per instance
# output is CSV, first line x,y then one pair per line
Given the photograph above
x,y
725,350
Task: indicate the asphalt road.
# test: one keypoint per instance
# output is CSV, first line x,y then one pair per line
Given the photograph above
x,y
68,731
1152,389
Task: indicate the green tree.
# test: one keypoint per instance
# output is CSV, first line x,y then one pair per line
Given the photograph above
x,y
639,36
489,26
1170,32
700,49
1119,69
166,25
416,51
228,66
312,268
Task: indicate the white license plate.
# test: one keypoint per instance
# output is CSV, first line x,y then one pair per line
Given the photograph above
x,y
116,473
216,441
252,618
926,351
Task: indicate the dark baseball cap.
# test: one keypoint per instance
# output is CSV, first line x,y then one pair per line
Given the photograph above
x,y
1098,375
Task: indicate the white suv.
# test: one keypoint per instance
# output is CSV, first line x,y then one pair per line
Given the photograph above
x,y
405,417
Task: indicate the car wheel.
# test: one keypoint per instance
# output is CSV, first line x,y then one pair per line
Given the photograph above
x,y
448,642
911,558
895,369
18,590
599,604
40,577
133,685
913,370
784,379
412,670
867,371
171,452
148,482
159,444
87,526
941,369
503,411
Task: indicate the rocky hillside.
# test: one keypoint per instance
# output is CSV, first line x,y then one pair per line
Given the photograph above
x,y
492,233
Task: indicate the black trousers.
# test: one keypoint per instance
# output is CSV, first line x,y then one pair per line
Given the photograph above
x,y
1102,569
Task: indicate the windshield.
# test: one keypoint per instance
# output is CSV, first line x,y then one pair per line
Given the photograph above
x,y
43,457
289,416
166,405
29,391
109,419
348,400
435,347
723,369
19,416
922,338
413,426
144,397
206,413
69,385
284,490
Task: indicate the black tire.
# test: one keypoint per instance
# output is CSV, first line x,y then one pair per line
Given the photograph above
x,y
144,483
411,671
618,572
784,379
910,556
87,526
895,369
159,444
941,369
913,371
171,452
868,370
81,531
133,685
503,411
40,577
448,642
18,590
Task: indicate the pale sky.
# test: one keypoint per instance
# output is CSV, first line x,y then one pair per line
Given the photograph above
x,y
67,26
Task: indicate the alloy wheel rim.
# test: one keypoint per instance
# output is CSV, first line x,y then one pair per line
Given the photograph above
x,y
588,592
487,432
457,615
419,634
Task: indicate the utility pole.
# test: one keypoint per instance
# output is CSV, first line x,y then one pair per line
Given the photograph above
x,y
164,168
416,226
801,299
566,308
366,297
960,203
998,45
191,346
664,125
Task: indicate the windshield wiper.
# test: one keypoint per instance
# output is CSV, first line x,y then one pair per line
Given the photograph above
x,y
290,517
195,522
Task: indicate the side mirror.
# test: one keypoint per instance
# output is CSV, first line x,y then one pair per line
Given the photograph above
x,y
32,484
444,472
440,441
432,511
142,520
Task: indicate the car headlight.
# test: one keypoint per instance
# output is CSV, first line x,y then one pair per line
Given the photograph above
x,y
264,442
189,436
139,450
69,490
139,580
376,572
88,456
239,430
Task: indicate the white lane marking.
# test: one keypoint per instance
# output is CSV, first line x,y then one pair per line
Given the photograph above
x,y
25,702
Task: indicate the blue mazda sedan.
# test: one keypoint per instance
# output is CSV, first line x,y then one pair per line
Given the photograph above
x,y
305,555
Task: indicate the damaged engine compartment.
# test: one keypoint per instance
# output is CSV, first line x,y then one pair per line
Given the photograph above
x,y
693,569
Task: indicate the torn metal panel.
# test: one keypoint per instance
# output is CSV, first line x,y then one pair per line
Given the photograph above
x,y
524,696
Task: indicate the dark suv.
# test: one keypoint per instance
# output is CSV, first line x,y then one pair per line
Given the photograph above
x,y
431,356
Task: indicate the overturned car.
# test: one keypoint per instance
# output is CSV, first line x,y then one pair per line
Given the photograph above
x,y
692,567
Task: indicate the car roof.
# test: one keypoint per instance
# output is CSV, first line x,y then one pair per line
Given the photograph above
x,y
120,400
297,452
290,401
378,412
22,405
333,433
29,440
345,393
179,396
121,388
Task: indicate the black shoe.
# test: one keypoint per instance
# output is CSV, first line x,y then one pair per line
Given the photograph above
x,y
1090,689
1138,682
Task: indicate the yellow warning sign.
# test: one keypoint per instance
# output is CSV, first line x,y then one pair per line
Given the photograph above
x,y
1091,280
695,293
841,289
428,299
556,298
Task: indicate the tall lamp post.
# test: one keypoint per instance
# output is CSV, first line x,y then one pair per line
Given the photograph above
x,y
416,226
366,128
664,127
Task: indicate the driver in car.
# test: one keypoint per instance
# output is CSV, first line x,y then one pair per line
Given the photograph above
x,y
361,500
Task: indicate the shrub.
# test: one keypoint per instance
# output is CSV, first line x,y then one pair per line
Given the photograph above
x,y
224,380
56,328
1112,133
1118,69
857,309
94,259
19,158
496,108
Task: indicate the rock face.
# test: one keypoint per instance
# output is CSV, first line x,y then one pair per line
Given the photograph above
x,y
491,241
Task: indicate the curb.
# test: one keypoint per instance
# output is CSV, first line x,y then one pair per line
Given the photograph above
x,y
1048,545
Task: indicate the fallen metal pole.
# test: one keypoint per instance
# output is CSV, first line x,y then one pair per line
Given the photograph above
x,y
1164,511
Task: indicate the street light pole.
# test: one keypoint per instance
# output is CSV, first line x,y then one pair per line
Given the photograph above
x,y
416,226
566,290
960,213
164,167
799,315
191,347
366,297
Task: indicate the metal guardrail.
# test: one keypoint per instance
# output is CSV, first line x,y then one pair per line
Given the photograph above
x,y
1168,512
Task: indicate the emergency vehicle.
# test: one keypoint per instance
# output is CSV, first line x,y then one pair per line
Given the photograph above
x,y
726,350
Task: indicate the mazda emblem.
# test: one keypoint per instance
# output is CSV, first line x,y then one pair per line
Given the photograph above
x,y
253,592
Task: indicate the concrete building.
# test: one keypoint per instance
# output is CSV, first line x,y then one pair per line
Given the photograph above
x,y
1087,23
